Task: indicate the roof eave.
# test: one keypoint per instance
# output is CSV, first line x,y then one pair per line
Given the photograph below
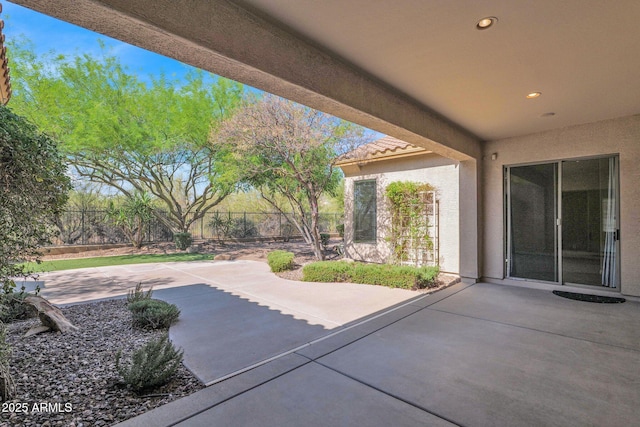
x,y
384,156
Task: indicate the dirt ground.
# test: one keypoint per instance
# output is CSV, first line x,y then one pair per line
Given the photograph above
x,y
255,251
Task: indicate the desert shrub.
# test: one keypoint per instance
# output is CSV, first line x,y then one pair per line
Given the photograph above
x,y
327,271
138,294
12,306
153,313
150,366
324,240
182,240
242,228
280,261
373,274
226,226
340,230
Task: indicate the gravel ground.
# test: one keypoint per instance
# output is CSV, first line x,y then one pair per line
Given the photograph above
x,y
75,372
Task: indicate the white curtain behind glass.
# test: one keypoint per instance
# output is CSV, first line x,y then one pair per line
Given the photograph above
x,y
609,270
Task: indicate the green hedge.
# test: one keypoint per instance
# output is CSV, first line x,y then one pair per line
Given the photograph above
x,y
280,261
392,276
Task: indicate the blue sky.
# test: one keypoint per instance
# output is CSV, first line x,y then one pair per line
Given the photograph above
x,y
51,34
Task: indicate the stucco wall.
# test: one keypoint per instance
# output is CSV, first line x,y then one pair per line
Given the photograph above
x,y
438,171
618,136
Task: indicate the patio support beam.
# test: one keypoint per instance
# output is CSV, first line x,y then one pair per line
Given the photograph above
x,y
469,221
226,39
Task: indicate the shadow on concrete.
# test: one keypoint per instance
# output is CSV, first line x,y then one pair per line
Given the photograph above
x,y
83,286
222,333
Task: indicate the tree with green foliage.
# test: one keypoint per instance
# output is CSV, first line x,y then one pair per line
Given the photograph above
x,y
287,152
133,217
33,192
133,136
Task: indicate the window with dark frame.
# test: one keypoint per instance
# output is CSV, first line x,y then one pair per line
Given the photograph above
x,y
364,211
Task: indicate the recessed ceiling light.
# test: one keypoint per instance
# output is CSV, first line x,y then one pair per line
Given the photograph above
x,y
487,22
533,95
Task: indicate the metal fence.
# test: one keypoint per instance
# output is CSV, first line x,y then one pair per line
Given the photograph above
x,y
90,227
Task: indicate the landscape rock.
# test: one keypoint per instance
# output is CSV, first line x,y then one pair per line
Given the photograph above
x,y
50,315
78,367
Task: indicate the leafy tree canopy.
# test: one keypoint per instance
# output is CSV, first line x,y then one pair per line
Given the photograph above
x,y
132,135
288,152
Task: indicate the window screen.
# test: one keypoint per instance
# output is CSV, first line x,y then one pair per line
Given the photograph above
x,y
364,212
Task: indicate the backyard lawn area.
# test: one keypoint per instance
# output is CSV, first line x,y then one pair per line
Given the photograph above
x,y
70,264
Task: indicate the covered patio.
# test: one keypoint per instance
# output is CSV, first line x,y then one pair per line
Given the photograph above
x,y
471,355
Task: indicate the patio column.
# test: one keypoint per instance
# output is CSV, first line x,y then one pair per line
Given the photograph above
x,y
469,221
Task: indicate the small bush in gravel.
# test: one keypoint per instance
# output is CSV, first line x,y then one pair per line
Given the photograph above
x,y
153,313
182,240
374,274
150,366
138,294
280,261
13,307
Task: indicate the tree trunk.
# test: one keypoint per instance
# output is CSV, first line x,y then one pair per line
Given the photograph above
x,y
315,229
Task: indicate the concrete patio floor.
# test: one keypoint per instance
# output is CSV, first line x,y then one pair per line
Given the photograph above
x,y
282,353
234,314
471,355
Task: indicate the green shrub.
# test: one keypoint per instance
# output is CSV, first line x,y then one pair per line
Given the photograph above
x,y
340,230
182,240
373,274
324,240
327,271
12,306
153,313
280,260
138,294
150,366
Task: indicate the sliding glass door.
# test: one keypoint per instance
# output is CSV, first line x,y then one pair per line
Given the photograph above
x,y
562,221
532,214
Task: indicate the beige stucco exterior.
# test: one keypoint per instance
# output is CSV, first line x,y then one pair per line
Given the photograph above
x,y
440,172
618,136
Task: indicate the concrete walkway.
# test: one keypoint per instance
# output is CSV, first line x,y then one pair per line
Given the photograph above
x,y
235,315
478,355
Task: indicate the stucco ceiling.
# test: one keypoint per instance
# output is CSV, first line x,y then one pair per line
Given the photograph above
x,y
418,70
583,55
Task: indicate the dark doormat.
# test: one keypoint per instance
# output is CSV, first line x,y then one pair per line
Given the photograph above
x,y
590,298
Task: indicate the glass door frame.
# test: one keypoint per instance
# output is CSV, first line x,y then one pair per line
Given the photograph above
x,y
558,223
